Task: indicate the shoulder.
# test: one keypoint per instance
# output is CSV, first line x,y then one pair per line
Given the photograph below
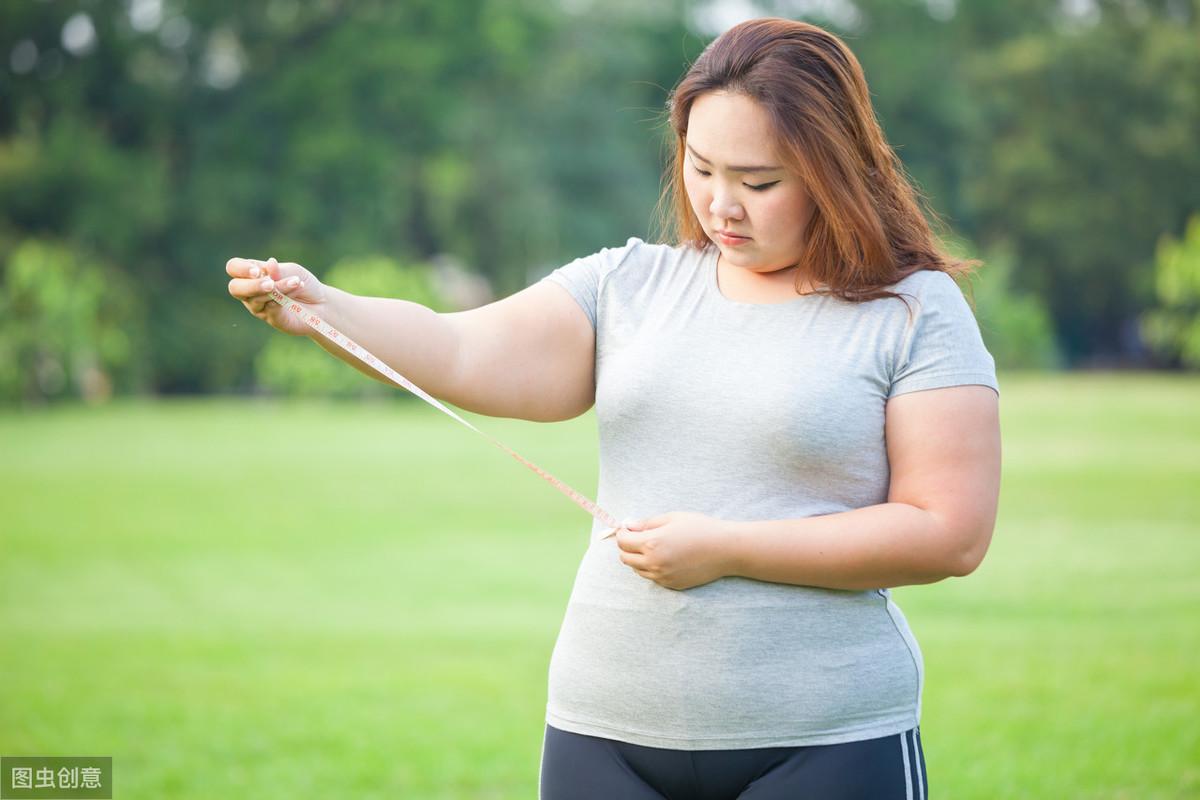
x,y
638,251
633,249
641,262
914,294
935,292
933,286
928,282
615,258
623,269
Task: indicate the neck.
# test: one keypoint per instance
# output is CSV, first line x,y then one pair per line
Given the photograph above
x,y
776,279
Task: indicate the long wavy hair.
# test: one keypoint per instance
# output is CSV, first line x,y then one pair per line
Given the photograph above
x,y
868,228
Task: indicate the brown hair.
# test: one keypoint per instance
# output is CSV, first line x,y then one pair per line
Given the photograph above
x,y
868,228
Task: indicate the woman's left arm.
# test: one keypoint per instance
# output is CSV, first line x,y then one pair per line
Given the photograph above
x,y
943,449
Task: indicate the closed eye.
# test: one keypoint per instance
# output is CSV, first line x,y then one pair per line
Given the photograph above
x,y
762,187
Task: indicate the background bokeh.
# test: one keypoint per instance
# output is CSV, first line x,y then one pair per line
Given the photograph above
x,y
242,568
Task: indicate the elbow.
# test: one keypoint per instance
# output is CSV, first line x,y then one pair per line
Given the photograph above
x,y
968,555
962,567
961,545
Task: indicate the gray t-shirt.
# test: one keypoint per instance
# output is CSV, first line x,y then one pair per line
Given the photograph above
x,y
749,412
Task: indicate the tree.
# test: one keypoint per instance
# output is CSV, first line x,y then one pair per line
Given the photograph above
x,y
1173,328
69,327
1086,154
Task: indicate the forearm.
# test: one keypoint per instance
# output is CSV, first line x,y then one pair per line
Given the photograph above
x,y
885,545
410,338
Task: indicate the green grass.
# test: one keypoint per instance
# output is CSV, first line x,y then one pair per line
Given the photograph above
x,y
279,600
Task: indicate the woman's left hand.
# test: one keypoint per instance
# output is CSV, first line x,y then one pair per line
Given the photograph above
x,y
678,550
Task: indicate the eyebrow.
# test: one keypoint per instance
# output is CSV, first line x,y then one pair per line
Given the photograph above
x,y
735,169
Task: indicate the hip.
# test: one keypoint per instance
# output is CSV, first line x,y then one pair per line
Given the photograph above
x,y
583,767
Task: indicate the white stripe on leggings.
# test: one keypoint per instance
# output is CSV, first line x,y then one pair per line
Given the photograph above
x,y
908,795
917,762
542,761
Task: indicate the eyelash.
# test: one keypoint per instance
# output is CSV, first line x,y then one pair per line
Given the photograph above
x,y
762,187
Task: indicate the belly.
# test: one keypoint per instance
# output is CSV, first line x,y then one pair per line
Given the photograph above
x,y
733,656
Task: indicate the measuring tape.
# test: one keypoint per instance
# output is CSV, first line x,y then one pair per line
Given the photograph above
x,y
346,343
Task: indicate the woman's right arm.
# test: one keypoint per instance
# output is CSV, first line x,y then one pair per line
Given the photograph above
x,y
530,355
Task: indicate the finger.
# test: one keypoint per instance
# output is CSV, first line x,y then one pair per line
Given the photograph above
x,y
629,542
635,560
276,270
652,522
250,288
287,284
279,271
287,287
244,268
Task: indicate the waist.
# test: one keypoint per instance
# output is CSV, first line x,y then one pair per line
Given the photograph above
x,y
697,671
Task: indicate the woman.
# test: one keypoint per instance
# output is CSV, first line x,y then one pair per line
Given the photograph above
x,y
794,402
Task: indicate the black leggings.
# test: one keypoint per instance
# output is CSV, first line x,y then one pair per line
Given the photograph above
x,y
579,767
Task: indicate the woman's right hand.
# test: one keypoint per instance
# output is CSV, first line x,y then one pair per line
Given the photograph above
x,y
252,281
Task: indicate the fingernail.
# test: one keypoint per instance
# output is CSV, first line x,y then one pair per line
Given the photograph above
x,y
266,284
292,282
254,272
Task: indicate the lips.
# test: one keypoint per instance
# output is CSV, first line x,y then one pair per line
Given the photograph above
x,y
732,240
733,235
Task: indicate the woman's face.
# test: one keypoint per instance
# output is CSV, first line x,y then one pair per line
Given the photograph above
x,y
768,204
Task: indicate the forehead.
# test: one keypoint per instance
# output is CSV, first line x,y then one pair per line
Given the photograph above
x,y
731,129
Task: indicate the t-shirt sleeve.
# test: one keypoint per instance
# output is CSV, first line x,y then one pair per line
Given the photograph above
x,y
943,345
584,276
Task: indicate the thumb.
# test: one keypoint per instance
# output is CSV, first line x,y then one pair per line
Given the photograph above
x,y
634,524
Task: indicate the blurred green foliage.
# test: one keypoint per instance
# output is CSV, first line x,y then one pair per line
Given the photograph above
x,y
69,327
1174,327
514,136
1087,153
511,135
295,365
1015,325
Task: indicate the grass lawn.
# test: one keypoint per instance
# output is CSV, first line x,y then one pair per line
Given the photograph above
x,y
266,599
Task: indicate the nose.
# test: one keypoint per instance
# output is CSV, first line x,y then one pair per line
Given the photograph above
x,y
723,206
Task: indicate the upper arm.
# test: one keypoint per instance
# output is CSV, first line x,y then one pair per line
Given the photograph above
x,y
530,355
943,449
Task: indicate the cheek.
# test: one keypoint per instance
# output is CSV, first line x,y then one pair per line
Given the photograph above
x,y
786,210
695,193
